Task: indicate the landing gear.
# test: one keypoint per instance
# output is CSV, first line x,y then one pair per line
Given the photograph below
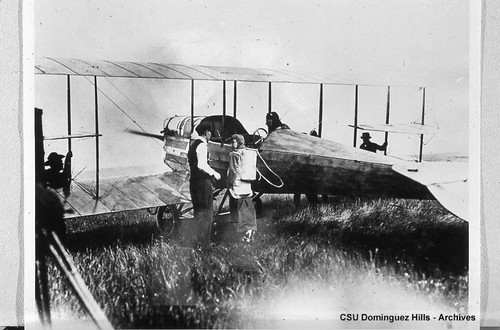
x,y
167,218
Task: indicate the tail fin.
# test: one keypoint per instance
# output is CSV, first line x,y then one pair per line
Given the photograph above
x,y
447,181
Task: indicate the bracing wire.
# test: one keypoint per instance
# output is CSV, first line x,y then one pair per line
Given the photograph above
x,y
125,113
123,94
120,108
77,174
113,186
430,139
84,188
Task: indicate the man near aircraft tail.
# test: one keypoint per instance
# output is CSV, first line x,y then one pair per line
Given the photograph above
x,y
240,192
370,146
200,185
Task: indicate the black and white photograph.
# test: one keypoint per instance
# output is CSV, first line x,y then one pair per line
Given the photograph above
x,y
252,164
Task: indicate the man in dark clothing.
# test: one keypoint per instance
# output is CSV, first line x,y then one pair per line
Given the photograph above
x,y
58,175
370,146
200,185
273,122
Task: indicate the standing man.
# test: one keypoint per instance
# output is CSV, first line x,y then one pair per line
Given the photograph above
x,y
370,146
200,185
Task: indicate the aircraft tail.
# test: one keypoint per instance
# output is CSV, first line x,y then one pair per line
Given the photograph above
x,y
447,181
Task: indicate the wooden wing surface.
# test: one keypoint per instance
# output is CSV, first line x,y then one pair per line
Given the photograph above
x,y
124,193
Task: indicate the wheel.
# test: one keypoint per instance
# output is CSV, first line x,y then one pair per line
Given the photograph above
x,y
167,218
259,135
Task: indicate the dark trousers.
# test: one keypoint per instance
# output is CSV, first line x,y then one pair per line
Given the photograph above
x,y
202,197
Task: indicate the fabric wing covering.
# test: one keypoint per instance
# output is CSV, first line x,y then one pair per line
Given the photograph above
x,y
409,128
77,67
447,181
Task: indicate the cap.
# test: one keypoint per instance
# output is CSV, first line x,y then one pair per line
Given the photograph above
x,y
53,157
273,116
239,138
365,135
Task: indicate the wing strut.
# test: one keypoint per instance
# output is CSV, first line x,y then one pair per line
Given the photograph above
x,y
223,111
234,99
387,115
96,140
192,106
423,122
69,113
69,126
355,116
320,120
269,99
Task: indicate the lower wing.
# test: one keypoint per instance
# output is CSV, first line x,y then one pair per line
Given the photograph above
x,y
126,193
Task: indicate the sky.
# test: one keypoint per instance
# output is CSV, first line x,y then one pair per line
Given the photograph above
x,y
405,44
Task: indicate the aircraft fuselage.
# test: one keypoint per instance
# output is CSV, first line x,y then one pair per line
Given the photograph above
x,y
308,165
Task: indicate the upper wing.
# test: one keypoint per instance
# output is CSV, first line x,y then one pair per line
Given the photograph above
x,y
447,181
70,66
408,128
126,193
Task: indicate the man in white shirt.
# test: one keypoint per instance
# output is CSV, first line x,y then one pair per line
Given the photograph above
x,y
200,185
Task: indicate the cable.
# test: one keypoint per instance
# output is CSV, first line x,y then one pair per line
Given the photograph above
x,y
128,116
135,122
265,179
85,189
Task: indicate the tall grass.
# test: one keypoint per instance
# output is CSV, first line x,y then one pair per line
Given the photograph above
x,y
348,254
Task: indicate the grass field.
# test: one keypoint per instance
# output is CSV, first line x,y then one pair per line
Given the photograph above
x,y
306,267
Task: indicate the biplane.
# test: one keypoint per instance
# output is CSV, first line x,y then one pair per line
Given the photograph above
x,y
288,162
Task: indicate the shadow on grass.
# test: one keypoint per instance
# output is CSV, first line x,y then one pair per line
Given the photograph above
x,y
172,317
430,248
135,227
433,242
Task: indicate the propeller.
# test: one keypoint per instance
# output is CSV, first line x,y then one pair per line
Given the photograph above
x,y
141,133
